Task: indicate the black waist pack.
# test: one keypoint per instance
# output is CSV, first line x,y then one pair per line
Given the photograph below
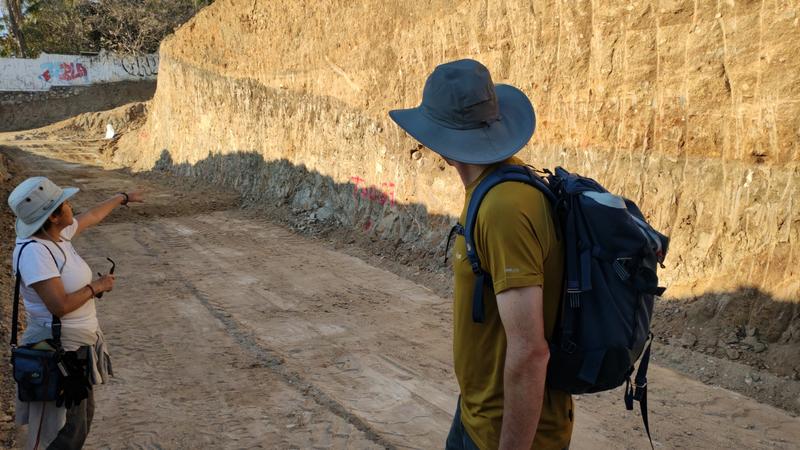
x,y
38,373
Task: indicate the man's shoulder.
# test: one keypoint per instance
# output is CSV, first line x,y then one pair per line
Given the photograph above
x,y
511,197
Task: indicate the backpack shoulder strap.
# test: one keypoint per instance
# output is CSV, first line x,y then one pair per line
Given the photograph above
x,y
502,174
638,390
56,323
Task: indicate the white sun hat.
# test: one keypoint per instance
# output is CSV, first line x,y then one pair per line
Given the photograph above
x,y
33,201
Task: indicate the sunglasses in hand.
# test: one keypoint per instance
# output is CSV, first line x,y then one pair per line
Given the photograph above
x,y
111,272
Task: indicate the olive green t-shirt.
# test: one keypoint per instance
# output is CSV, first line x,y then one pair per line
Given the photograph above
x,y
516,241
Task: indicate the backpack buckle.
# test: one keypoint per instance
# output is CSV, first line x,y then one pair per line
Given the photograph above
x,y
476,268
639,391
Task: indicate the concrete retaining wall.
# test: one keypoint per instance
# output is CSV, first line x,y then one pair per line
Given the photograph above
x,y
49,71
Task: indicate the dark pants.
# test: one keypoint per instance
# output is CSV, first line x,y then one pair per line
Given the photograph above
x,y
458,439
76,429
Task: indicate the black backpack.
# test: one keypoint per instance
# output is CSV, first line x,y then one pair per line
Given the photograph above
x,y
611,257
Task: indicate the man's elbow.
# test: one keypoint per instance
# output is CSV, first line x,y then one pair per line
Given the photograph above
x,y
540,354
531,358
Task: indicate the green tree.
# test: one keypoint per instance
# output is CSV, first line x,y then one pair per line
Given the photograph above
x,y
74,26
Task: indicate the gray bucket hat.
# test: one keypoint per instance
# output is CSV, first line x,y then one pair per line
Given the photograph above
x,y
33,201
465,117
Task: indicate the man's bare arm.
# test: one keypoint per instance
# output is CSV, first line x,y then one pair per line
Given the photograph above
x,y
527,353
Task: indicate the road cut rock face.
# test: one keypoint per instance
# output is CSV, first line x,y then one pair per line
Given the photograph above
x,y
691,109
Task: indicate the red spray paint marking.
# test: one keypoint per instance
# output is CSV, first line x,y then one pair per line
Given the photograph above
x,y
71,71
381,195
373,193
64,71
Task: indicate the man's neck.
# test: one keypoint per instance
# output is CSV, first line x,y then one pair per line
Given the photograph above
x,y
469,172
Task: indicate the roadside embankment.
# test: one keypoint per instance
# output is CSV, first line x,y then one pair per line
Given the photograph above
x,y
690,110
8,179
26,110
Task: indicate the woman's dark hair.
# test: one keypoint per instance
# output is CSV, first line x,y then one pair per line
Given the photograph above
x,y
46,223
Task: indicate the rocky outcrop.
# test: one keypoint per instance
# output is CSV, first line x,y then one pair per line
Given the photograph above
x,y
692,109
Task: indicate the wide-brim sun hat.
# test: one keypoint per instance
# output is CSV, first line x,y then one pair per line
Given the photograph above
x,y
33,201
467,118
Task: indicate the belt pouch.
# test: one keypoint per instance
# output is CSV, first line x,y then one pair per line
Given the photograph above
x,y
37,374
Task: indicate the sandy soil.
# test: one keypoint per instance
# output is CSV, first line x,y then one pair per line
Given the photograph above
x,y
231,332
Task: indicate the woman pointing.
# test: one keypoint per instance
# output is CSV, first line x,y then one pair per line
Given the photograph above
x,y
59,294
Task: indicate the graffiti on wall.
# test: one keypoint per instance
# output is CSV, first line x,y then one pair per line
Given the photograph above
x,y
141,66
48,71
62,71
373,193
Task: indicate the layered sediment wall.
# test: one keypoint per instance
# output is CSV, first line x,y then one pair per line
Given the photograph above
x,y
692,109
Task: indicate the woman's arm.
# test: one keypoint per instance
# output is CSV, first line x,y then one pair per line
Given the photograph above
x,y
59,303
99,212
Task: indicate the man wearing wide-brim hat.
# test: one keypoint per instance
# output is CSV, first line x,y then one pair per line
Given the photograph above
x,y
500,363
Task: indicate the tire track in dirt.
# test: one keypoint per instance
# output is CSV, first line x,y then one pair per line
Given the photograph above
x,y
183,379
306,318
269,359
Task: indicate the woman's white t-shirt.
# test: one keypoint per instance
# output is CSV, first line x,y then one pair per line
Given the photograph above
x,y
37,265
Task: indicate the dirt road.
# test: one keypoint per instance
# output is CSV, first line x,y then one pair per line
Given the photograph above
x,y
230,332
